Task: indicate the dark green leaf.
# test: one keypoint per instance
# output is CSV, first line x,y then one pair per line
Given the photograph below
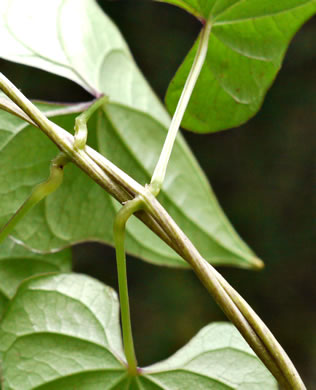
x,y
76,343
246,48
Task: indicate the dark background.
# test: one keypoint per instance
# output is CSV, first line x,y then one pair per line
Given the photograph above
x,y
263,174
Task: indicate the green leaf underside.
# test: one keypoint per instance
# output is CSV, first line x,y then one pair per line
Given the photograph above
x,y
69,215
77,41
18,263
247,45
76,342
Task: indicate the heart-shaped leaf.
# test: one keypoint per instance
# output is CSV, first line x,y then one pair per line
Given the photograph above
x,y
130,131
76,343
18,263
247,45
70,214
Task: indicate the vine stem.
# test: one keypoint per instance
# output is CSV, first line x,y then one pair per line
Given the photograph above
x,y
199,59
120,221
124,188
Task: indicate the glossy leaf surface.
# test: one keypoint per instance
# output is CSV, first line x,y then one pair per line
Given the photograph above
x,y
129,131
76,343
18,263
247,45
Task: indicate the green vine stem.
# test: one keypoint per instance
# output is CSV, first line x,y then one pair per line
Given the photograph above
x,y
119,237
39,192
161,167
124,188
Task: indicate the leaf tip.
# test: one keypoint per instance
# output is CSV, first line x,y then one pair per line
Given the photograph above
x,y
257,263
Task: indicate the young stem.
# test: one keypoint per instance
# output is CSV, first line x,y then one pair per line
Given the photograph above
x,y
81,130
39,192
161,167
119,237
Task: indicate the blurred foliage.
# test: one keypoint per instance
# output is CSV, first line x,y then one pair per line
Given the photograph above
x,y
263,174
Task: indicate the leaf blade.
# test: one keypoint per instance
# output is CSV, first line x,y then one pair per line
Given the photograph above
x,y
217,356
61,220
77,330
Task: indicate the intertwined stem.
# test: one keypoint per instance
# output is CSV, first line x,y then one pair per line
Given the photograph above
x,y
124,188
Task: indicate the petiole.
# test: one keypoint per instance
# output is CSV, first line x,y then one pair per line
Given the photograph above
x,y
161,167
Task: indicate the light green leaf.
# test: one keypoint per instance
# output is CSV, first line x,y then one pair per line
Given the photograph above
x,y
18,263
76,343
247,45
77,331
78,39
70,214
216,358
